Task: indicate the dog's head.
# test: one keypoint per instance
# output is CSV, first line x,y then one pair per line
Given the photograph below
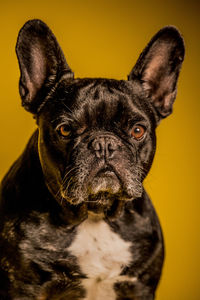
x,y
96,136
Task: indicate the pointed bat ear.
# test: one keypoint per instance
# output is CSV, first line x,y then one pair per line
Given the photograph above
x,y
41,63
158,68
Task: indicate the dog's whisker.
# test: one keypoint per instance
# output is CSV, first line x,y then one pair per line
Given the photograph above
x,y
67,174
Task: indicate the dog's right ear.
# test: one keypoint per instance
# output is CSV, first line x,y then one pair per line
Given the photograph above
x,y
158,67
41,63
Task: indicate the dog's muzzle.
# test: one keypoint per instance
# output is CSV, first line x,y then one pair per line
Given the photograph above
x,y
105,174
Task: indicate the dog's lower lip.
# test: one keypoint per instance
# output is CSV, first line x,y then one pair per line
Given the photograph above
x,y
105,171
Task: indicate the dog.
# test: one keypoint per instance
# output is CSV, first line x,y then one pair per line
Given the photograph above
x,y
75,220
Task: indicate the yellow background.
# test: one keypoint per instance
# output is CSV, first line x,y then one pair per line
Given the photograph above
x,y
103,39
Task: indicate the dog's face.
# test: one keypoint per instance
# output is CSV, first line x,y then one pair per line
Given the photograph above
x,y
97,141
96,136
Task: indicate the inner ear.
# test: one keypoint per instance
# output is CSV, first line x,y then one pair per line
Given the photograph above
x,y
158,68
41,63
34,72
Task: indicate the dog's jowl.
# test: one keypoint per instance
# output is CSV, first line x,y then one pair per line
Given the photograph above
x,y
75,220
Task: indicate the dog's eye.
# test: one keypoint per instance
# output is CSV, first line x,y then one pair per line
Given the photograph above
x,y
138,131
64,130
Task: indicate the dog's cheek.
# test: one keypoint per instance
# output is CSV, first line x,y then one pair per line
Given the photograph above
x,y
146,155
52,161
84,162
77,163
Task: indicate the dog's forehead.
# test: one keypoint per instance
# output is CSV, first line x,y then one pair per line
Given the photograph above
x,y
107,89
104,99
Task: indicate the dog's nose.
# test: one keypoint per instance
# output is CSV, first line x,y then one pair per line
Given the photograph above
x,y
104,147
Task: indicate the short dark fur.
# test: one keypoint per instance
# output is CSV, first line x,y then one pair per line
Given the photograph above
x,y
49,190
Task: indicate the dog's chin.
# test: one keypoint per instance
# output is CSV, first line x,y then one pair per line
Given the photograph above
x,y
105,204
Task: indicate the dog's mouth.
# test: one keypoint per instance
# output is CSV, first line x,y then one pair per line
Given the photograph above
x,y
104,191
105,180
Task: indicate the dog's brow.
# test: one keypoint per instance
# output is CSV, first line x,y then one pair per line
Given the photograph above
x,y
62,119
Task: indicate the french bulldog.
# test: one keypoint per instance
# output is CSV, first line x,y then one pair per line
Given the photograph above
x,y
75,220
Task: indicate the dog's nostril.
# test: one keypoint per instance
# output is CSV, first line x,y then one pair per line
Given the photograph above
x,y
111,146
96,146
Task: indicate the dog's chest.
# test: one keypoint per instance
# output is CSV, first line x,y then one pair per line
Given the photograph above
x,y
101,255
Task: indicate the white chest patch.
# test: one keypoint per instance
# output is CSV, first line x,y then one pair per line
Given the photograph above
x,y
101,255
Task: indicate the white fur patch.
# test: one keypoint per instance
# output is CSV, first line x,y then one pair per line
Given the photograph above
x,y
101,255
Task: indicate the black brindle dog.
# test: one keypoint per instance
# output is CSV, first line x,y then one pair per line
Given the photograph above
x,y
75,220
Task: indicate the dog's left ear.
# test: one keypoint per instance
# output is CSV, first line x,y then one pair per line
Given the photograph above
x,y
41,61
158,68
